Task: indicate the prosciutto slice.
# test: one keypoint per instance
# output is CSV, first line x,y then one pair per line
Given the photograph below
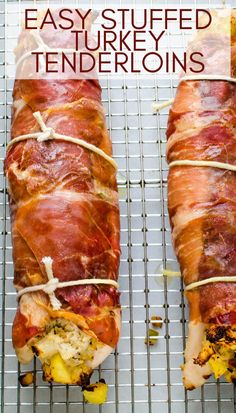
x,y
64,205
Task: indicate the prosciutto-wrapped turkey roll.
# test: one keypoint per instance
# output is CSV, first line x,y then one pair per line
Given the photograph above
x,y
201,152
65,225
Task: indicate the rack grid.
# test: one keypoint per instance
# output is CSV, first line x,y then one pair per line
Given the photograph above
x,y
141,378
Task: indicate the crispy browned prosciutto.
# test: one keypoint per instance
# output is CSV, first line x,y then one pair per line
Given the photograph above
x,y
64,205
202,210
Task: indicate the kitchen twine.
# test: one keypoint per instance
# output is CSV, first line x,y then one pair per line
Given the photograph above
x,y
210,281
54,283
213,164
49,133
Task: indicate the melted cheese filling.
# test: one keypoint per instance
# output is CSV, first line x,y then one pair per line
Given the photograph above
x,y
220,354
65,351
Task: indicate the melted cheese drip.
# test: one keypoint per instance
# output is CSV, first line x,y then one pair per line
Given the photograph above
x,y
170,273
211,164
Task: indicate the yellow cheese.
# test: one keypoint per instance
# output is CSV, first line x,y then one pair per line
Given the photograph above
x,y
218,365
96,393
58,370
219,352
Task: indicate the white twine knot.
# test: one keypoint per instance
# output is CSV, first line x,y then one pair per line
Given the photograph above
x,y
52,283
51,286
47,132
46,135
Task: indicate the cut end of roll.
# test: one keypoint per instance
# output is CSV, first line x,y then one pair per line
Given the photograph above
x,y
68,354
194,375
210,349
218,351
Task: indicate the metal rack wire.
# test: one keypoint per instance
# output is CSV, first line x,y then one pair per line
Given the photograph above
x,y
141,378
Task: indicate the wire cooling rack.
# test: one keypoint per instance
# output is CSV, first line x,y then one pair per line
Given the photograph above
x,y
141,379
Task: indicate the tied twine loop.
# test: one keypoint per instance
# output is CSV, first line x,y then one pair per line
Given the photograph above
x,y
54,283
47,132
46,135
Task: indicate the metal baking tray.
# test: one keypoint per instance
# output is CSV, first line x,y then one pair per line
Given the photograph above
x,y
141,379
